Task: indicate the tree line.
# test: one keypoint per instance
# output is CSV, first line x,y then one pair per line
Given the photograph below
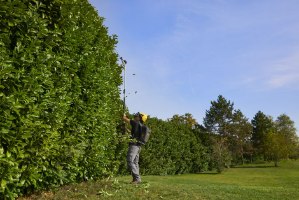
x,y
261,139
225,139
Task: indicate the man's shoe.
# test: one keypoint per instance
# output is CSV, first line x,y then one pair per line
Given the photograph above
x,y
135,182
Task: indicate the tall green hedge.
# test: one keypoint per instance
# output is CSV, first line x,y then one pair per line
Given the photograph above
x,y
173,148
59,95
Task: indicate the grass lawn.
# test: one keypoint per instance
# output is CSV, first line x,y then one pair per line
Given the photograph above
x,y
245,182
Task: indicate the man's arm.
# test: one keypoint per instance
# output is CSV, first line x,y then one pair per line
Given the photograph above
x,y
126,119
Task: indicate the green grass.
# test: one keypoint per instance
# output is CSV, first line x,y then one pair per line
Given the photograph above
x,y
246,182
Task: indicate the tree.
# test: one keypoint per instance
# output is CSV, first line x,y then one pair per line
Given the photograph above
x,y
187,119
221,119
221,156
275,147
286,127
261,125
296,153
219,116
240,134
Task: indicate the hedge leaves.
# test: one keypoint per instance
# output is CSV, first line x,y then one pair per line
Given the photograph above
x,y
59,95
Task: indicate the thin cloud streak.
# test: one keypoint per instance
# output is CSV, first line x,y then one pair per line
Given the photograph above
x,y
282,73
286,72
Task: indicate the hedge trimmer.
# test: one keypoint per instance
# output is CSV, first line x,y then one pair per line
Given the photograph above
x,y
123,64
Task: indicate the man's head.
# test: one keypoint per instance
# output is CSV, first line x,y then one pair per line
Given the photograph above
x,y
140,117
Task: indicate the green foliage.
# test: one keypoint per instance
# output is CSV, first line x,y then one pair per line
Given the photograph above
x,y
59,95
262,125
274,140
286,127
173,148
239,138
221,156
281,142
276,147
224,121
219,116
295,154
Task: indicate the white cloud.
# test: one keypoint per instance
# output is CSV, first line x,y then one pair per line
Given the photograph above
x,y
284,73
284,80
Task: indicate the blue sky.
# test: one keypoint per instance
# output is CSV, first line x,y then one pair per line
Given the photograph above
x,y
186,53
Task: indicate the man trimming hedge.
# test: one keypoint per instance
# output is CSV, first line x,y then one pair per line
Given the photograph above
x,y
135,145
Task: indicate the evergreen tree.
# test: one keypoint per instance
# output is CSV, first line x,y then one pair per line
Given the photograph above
x,y
223,120
219,116
240,144
261,125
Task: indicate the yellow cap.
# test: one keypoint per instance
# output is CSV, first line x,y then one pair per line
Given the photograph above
x,y
143,117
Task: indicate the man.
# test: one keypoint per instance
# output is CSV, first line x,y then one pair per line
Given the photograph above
x,y
135,145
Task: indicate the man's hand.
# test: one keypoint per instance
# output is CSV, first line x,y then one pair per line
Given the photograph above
x,y
126,119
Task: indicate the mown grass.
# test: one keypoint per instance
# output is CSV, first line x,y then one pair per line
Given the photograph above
x,y
245,182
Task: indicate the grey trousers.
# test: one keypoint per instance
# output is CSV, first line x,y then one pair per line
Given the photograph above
x,y
132,161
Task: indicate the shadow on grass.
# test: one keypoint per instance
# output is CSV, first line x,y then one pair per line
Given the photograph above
x,y
123,182
254,166
208,173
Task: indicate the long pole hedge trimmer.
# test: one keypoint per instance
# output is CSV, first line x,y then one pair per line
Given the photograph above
x,y
123,64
